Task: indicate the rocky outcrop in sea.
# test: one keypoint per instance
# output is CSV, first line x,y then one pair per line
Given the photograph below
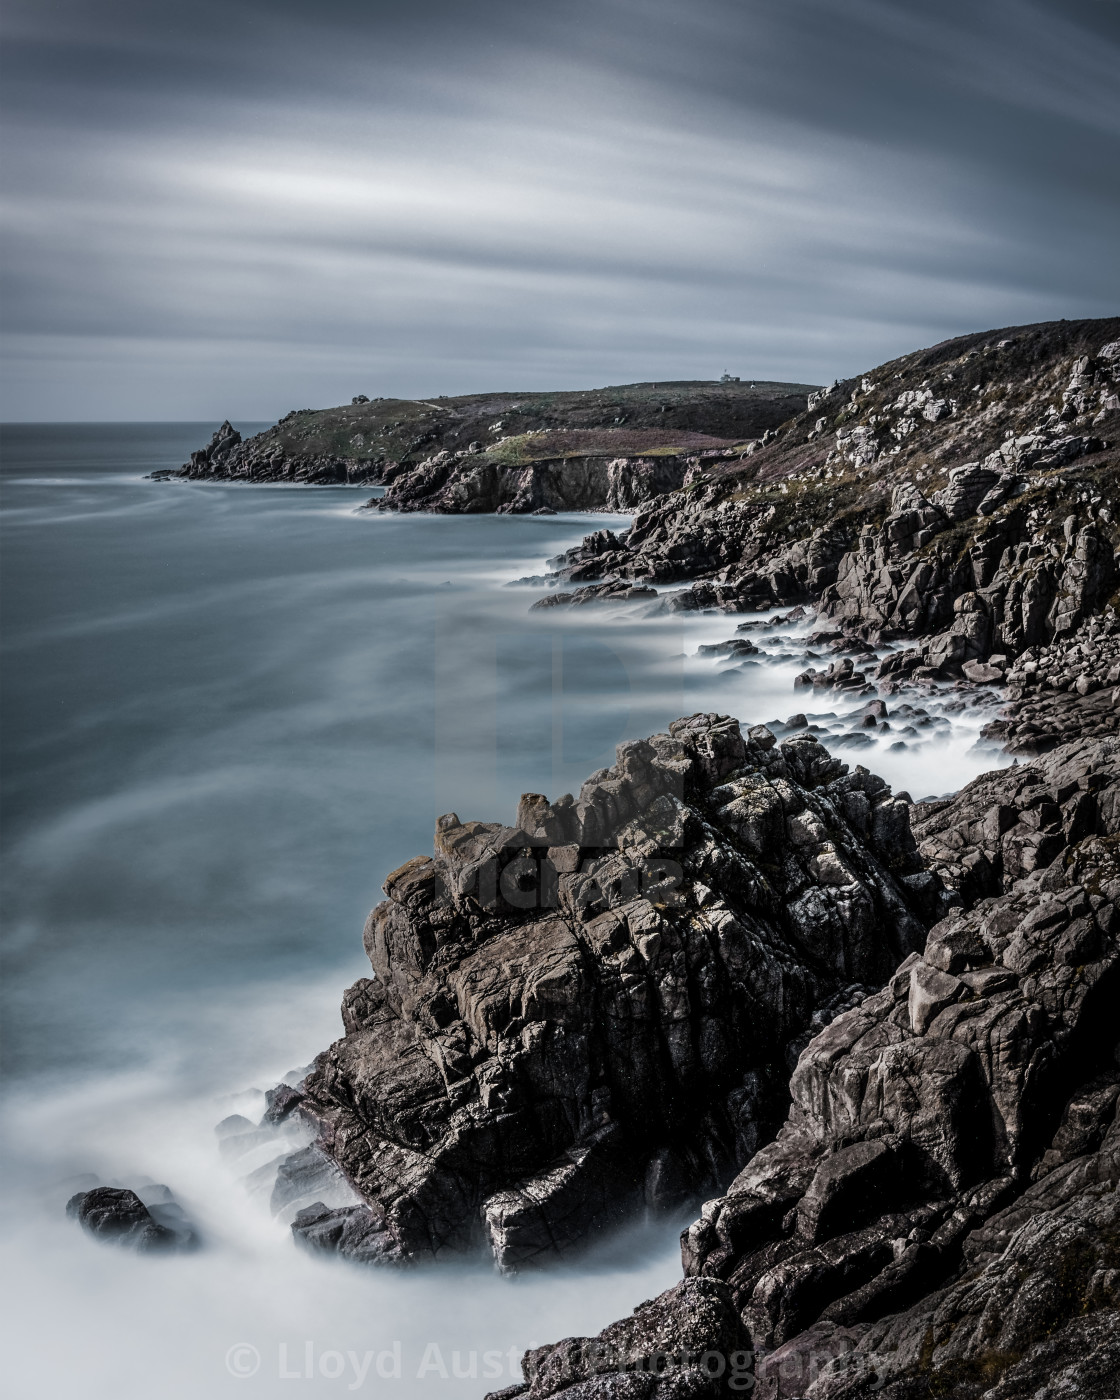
x,y
149,1221
596,1011
269,457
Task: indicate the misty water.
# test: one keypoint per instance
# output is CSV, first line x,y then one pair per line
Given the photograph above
x,y
228,713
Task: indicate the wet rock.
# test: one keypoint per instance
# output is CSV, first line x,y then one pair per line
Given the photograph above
x,y
982,674
939,1213
736,647
688,1342
612,591
117,1215
356,1232
306,1176
281,1101
587,1014
1016,821
840,675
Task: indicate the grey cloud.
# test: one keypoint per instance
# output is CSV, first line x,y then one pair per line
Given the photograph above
x,y
242,208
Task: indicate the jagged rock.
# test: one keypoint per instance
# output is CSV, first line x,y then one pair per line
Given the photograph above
x,y
306,1177
501,452
590,1013
355,1231
1066,689
1014,822
281,1101
996,501
968,486
465,483
689,1342
612,591
840,675
982,673
939,1215
738,646
229,457
225,439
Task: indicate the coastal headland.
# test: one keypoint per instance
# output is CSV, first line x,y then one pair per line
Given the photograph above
x,y
870,1039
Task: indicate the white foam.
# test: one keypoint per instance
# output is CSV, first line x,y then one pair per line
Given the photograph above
x,y
93,1320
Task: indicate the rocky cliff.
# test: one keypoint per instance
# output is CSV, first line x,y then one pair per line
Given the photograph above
x,y
515,482
939,1213
963,497
597,1010
601,449
888,1025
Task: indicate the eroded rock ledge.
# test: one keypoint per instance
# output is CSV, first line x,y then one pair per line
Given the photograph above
x,y
939,1213
597,1010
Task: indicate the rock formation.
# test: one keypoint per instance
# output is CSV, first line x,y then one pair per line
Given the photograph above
x,y
939,1214
118,1215
270,456
1067,689
469,483
598,1009
600,449
613,1004
961,499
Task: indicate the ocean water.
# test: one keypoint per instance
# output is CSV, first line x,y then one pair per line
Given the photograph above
x,y
227,713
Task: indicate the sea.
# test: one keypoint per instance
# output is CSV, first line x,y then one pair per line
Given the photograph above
x,y
228,712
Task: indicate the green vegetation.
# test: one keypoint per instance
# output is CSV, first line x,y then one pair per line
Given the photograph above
x,y
671,417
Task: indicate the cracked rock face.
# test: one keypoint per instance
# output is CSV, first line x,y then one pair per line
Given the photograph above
x,y
1066,690
462,483
1016,822
939,1213
597,1010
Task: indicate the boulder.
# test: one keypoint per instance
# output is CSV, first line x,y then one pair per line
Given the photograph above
x,y
117,1215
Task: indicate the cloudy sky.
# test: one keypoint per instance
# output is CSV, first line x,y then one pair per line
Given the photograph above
x,y
246,206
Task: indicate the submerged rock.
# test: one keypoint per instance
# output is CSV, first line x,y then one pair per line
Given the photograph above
x,y
117,1215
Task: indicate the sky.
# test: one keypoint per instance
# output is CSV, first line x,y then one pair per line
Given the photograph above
x,y
247,206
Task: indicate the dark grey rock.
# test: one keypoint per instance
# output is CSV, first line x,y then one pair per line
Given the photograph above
x,y
117,1215
587,1014
940,1215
